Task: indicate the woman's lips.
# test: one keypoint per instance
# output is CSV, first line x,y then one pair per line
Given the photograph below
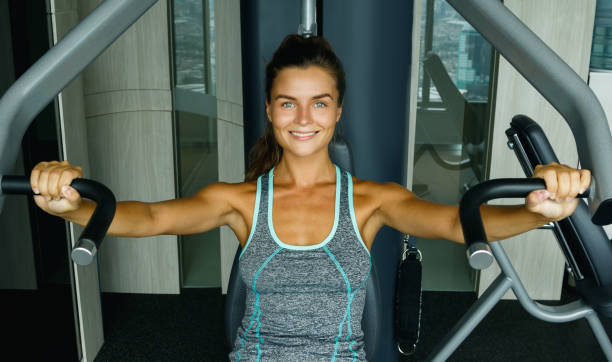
x,y
303,136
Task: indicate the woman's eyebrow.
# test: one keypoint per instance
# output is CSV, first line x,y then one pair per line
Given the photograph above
x,y
278,96
323,96
319,96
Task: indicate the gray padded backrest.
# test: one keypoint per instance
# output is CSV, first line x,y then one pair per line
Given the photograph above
x,y
236,292
340,154
585,242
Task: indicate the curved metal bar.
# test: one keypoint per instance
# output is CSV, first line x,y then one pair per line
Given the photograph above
x,y
554,314
474,235
62,63
559,84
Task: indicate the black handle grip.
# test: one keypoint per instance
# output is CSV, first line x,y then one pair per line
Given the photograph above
x,y
479,255
91,238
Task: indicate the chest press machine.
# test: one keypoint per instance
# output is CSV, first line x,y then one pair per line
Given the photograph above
x,y
588,252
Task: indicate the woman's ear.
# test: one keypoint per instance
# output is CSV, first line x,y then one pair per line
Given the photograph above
x,y
339,113
268,111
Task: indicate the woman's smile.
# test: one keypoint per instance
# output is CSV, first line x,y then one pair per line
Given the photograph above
x,y
303,136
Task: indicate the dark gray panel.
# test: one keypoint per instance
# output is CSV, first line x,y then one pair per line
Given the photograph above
x,y
264,24
7,74
373,39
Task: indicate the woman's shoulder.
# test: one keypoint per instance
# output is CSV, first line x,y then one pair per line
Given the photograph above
x,y
379,194
367,187
236,189
235,193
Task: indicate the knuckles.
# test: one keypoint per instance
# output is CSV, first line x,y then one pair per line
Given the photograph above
x,y
48,177
562,178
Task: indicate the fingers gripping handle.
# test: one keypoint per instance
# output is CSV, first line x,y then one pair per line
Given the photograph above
x,y
85,250
478,252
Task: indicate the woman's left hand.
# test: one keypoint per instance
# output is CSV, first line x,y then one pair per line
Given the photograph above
x,y
563,183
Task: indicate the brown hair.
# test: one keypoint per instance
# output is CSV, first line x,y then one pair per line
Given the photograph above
x,y
301,52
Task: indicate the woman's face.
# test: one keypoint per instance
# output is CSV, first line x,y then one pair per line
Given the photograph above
x,y
303,109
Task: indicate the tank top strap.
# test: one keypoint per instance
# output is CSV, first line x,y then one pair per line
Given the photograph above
x,y
345,207
347,216
259,222
264,200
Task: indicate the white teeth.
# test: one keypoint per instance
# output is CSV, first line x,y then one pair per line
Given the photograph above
x,y
302,134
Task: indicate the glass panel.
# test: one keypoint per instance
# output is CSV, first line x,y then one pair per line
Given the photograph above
x,y
198,167
451,125
601,49
194,45
196,130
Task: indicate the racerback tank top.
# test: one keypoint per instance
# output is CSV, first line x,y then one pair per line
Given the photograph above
x,y
304,303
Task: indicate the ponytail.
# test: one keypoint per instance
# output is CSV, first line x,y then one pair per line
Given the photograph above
x,y
264,155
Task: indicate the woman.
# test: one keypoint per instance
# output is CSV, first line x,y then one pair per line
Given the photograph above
x,y
305,226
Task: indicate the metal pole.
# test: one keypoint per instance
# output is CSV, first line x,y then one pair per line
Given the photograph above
x,y
308,25
471,318
60,65
600,334
559,84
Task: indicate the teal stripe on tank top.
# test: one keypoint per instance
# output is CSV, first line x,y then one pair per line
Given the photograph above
x,y
349,322
352,210
303,303
348,297
255,217
256,308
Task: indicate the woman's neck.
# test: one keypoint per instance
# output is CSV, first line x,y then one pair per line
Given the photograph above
x,y
305,171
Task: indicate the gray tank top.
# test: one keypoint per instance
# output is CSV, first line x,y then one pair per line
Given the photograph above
x,y
304,303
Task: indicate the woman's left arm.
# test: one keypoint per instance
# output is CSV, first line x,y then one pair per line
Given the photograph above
x,y
405,212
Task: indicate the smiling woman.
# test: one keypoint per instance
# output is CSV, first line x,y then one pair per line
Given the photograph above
x,y
305,226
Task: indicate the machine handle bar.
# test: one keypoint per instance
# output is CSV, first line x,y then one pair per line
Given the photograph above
x,y
478,252
90,240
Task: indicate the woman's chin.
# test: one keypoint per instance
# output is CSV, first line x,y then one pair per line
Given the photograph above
x,y
305,152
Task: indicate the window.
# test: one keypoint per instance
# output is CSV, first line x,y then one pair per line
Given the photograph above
x,y
195,117
452,125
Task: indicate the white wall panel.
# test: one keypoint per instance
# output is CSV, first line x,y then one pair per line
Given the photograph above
x,y
133,155
230,134
566,26
127,107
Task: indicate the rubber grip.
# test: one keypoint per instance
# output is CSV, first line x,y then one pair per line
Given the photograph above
x,y
91,239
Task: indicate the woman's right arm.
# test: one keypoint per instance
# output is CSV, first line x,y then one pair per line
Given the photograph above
x,y
209,208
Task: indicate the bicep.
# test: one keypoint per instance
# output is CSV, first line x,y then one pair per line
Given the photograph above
x,y
405,212
203,211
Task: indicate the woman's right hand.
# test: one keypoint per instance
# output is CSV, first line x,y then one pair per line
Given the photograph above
x,y
51,181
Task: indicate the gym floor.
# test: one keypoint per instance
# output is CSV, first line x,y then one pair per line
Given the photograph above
x,y
189,327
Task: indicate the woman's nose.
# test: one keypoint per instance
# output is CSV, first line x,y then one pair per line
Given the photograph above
x,y
303,116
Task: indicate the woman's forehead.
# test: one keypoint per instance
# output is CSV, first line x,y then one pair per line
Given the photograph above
x,y
296,81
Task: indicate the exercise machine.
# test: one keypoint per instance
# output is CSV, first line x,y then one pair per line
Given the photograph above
x,y
587,250
540,65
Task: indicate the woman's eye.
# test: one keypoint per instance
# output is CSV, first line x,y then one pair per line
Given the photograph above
x,y
287,105
320,105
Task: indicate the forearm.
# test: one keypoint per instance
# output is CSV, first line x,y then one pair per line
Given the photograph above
x,y
132,218
501,222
